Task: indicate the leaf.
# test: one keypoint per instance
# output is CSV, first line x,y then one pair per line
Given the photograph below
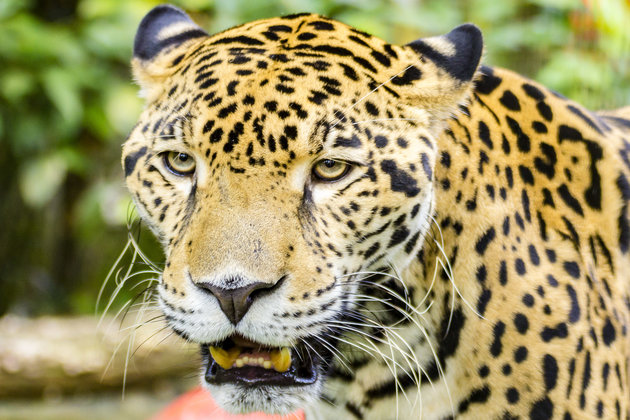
x,y
9,8
41,178
559,4
578,75
109,39
103,203
28,133
16,84
63,91
122,107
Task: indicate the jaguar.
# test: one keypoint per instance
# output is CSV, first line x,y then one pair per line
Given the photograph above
x,y
372,231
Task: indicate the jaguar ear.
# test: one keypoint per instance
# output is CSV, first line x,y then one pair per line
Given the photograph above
x,y
162,38
446,69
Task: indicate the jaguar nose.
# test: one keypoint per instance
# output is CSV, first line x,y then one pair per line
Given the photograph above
x,y
236,302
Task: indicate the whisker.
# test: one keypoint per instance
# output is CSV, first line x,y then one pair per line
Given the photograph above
x,y
364,97
385,119
449,270
109,275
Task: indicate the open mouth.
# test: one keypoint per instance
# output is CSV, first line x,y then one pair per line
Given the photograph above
x,y
238,360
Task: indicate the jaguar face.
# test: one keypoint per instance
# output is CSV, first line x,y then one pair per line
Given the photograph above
x,y
280,163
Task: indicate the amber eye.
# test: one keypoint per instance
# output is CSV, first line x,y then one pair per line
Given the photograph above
x,y
330,170
181,164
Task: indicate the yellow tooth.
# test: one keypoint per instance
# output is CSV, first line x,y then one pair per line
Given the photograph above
x,y
221,357
274,355
240,363
267,364
225,358
281,359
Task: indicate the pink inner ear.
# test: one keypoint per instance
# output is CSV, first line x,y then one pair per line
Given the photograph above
x,y
199,405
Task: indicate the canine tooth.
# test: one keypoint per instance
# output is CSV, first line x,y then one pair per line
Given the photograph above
x,y
281,359
267,364
239,363
224,358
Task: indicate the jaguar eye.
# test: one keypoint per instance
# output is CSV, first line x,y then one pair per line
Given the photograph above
x,y
181,164
330,170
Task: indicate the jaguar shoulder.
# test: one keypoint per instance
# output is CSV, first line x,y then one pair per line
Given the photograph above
x,y
376,231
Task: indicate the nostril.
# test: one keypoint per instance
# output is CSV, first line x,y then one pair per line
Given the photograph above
x,y
235,302
264,291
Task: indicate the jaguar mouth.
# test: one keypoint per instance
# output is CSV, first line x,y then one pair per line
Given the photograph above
x,y
237,360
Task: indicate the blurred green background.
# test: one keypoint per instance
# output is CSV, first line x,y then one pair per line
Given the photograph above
x,y
67,103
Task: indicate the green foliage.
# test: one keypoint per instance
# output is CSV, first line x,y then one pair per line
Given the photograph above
x,y
67,103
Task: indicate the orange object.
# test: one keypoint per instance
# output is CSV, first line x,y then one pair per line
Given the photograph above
x,y
199,405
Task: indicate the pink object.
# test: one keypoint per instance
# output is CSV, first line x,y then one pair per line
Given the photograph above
x,y
199,405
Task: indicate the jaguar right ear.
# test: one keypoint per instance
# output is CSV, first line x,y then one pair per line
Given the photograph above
x,y
163,37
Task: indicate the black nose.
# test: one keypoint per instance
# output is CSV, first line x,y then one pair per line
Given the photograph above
x,y
236,302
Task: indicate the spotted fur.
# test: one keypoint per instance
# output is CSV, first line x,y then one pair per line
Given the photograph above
x,y
493,210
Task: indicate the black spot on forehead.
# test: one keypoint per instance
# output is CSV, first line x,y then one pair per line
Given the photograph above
x,y
381,58
306,36
240,59
358,40
295,15
320,25
281,58
240,39
320,65
279,28
349,72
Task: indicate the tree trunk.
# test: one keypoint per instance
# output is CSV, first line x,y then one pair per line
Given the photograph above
x,y
68,355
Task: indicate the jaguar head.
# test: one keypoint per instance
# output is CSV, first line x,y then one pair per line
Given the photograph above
x,y
280,163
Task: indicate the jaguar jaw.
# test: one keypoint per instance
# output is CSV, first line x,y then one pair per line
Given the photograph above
x,y
240,361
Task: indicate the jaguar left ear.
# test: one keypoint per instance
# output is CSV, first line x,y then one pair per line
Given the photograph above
x,y
162,38
443,67
458,52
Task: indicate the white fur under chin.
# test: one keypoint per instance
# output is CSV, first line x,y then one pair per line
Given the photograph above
x,y
239,399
